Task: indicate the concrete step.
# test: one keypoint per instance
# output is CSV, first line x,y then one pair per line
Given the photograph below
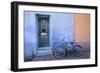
x,y
44,52
44,48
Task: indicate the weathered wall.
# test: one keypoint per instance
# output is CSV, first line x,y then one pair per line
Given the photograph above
x,y
82,29
61,25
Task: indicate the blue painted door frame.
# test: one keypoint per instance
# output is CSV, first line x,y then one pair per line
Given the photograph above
x,y
43,31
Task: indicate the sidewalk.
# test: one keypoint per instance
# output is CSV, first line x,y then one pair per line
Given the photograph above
x,y
84,55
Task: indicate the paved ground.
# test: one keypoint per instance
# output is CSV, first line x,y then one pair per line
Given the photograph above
x,y
84,55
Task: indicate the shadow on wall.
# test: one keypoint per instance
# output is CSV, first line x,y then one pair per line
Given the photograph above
x,y
29,51
85,45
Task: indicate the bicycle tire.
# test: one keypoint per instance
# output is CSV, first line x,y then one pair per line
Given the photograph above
x,y
59,53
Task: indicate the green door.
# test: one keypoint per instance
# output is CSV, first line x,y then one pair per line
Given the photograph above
x,y
43,30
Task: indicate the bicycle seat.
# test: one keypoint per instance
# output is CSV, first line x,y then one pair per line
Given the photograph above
x,y
71,42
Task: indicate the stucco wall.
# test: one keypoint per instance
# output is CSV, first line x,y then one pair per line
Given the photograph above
x,y
82,30
61,25
82,27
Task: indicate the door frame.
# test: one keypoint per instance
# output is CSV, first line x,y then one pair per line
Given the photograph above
x,y
37,15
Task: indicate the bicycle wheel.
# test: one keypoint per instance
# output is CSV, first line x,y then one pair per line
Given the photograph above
x,y
77,50
59,53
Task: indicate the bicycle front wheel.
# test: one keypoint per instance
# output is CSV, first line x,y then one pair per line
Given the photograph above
x,y
77,50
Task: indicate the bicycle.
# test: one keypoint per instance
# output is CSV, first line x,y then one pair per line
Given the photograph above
x,y
67,48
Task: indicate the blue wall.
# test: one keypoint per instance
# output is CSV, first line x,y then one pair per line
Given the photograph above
x,y
61,25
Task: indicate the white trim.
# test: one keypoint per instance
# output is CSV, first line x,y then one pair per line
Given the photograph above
x,y
22,64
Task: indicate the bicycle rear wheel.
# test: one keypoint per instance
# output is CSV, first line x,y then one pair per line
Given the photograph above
x,y
59,53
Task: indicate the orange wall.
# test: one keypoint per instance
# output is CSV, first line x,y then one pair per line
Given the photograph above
x,y
82,27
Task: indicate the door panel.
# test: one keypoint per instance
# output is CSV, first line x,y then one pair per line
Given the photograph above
x,y
43,31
